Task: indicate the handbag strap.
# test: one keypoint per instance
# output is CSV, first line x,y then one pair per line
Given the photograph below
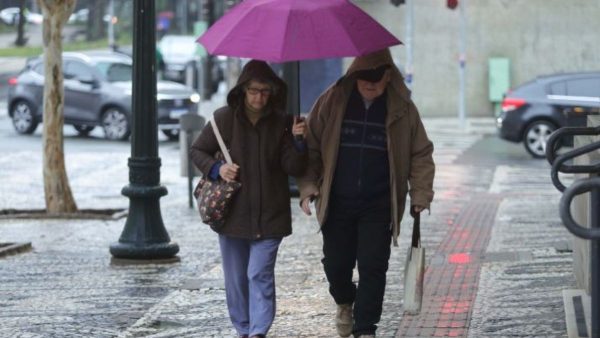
x,y
220,140
416,234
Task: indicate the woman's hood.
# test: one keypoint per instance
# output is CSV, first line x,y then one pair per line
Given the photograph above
x,y
262,71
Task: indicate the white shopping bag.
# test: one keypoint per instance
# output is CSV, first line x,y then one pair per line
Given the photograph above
x,y
414,271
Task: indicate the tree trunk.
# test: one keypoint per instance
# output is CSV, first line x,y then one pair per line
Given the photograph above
x,y
59,198
95,25
21,40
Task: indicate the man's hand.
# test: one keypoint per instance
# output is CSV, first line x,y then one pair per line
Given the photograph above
x,y
229,172
418,208
305,203
415,210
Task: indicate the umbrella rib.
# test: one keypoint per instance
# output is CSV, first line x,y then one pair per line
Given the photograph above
x,y
351,40
287,25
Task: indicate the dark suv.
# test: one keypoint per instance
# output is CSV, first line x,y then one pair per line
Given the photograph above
x,y
97,93
532,111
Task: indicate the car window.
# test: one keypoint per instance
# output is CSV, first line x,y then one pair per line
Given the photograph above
x,y
558,88
38,68
77,70
178,45
114,72
588,87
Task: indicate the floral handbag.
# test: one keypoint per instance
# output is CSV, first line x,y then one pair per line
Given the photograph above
x,y
214,197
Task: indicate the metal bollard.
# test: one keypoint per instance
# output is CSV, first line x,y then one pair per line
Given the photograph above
x,y
190,123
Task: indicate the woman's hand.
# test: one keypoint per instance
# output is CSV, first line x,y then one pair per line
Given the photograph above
x,y
299,127
305,203
229,172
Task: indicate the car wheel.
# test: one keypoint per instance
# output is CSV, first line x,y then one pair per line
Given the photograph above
x,y
115,124
536,136
82,129
22,117
172,134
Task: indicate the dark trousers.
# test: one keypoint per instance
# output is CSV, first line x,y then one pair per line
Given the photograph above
x,y
358,231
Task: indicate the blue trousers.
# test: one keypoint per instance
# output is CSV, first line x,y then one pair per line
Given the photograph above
x,y
249,269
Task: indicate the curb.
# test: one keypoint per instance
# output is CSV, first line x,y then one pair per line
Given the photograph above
x,y
7,249
101,214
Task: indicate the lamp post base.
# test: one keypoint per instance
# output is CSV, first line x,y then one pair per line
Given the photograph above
x,y
144,235
153,251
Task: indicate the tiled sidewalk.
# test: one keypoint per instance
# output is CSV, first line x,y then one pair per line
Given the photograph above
x,y
509,284
452,278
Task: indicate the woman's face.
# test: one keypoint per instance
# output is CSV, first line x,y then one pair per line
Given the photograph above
x,y
372,90
257,94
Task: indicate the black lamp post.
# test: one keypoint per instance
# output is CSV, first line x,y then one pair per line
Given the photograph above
x,y
144,235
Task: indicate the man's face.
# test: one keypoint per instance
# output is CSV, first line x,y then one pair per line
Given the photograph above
x,y
257,94
371,90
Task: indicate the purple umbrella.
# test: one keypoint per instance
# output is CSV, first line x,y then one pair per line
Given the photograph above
x,y
292,30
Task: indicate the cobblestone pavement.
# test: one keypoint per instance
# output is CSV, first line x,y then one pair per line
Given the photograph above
x,y
68,286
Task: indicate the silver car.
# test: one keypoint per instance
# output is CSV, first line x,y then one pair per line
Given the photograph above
x,y
97,93
179,55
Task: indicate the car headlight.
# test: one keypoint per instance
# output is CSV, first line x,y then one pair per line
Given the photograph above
x,y
195,98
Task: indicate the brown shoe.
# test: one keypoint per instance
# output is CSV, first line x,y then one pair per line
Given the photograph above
x,y
343,320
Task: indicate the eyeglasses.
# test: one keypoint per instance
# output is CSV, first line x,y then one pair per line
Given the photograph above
x,y
256,91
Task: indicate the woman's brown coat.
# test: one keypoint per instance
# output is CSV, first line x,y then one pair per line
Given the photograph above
x,y
265,154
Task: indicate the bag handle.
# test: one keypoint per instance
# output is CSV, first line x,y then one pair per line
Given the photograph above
x,y
220,140
416,234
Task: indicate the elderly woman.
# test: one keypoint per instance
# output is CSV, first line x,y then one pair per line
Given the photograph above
x,y
261,140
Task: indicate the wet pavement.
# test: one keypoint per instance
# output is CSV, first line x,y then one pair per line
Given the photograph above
x,y
497,254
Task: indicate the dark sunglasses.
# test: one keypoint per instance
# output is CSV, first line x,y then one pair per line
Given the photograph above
x,y
372,75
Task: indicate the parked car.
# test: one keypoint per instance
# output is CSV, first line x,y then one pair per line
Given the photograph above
x,y
179,55
10,16
98,89
532,111
82,15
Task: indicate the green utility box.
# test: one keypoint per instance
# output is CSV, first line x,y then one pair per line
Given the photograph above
x,y
499,81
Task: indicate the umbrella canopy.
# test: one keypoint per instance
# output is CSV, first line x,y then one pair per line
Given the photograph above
x,y
291,30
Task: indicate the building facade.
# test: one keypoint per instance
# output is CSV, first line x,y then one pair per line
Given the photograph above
x,y
537,36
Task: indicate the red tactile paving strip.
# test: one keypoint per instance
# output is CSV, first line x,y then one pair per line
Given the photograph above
x,y
451,287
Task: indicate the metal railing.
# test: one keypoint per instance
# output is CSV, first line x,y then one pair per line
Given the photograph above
x,y
581,186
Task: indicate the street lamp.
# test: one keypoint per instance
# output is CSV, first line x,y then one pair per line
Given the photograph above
x,y
144,235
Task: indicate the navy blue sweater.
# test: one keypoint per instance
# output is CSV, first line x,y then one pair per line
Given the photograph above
x,y
362,169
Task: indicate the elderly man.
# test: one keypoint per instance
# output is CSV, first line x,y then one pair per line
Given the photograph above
x,y
368,149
